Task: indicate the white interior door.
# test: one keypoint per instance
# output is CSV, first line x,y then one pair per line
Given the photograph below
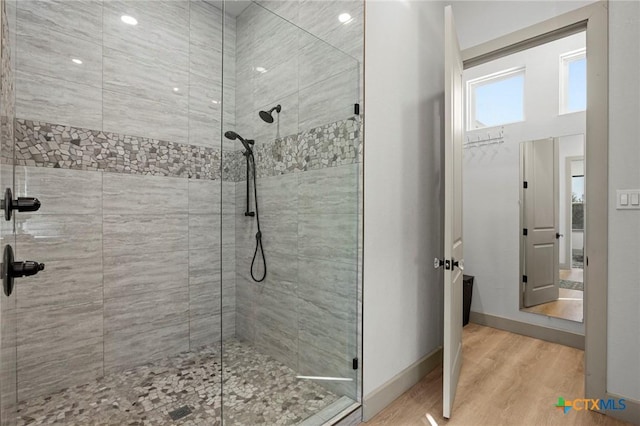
x,y
453,213
541,279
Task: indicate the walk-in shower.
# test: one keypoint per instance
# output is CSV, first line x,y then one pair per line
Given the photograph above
x,y
155,306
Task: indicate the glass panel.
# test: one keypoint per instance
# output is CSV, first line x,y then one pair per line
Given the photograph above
x,y
8,324
122,106
573,78
577,215
118,133
296,247
577,85
497,100
577,202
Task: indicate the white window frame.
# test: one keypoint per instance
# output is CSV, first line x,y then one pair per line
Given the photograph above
x,y
565,60
487,79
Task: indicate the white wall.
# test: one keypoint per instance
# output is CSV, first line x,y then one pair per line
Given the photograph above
x,y
577,239
491,183
623,363
482,21
479,21
402,314
403,196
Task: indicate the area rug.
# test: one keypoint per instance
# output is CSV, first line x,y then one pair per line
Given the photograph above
x,y
572,285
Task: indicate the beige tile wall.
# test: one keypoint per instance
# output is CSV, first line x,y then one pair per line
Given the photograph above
x,y
304,313
132,273
128,74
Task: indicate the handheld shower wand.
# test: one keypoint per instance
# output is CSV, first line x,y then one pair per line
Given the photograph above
x,y
245,142
251,165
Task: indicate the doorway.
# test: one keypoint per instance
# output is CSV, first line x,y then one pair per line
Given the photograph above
x,y
593,19
518,124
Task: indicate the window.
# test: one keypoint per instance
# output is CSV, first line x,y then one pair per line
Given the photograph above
x,y
577,203
573,81
495,99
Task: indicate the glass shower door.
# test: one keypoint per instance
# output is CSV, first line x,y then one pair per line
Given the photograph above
x,y
293,353
117,132
8,362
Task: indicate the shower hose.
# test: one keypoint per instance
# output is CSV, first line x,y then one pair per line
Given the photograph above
x,y
259,233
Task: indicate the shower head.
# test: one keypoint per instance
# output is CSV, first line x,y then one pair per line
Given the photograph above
x,y
267,115
245,142
232,135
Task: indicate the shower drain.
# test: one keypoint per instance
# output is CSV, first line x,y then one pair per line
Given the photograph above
x,y
179,413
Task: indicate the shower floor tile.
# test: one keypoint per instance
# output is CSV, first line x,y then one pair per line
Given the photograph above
x,y
257,390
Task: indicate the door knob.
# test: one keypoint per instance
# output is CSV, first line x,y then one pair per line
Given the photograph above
x,y
438,263
22,204
459,264
558,235
12,269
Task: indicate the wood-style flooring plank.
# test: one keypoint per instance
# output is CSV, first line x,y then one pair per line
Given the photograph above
x,y
506,379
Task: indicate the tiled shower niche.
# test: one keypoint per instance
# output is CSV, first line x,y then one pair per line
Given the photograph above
x,y
142,224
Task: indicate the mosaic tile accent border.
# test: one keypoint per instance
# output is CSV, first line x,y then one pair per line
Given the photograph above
x,y
332,145
41,144
53,145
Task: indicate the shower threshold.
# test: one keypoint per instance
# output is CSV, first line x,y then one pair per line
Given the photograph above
x,y
185,390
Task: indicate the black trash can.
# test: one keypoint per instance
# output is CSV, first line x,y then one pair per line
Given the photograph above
x,y
467,292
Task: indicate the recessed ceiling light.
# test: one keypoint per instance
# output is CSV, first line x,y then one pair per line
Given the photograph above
x,y
345,18
130,20
261,69
176,89
213,101
76,61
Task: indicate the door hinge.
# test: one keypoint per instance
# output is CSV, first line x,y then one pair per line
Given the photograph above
x,y
355,363
356,109
525,231
524,278
525,184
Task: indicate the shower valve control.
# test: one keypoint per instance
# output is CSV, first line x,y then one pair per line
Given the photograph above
x,y
12,269
22,204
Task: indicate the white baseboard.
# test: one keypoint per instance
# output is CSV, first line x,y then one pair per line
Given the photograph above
x,y
552,335
377,400
630,414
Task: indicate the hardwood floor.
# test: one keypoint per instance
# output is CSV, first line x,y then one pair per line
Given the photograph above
x,y
569,306
572,274
506,379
